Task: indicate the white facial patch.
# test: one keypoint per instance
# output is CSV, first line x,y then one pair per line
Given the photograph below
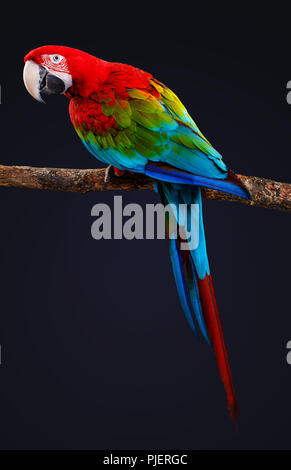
x,y
57,65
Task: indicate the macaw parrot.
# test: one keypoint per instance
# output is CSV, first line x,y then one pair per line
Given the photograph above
x,y
131,121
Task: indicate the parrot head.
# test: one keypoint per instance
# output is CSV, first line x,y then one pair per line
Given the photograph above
x,y
62,70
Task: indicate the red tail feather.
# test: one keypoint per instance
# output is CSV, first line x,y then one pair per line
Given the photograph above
x,y
214,327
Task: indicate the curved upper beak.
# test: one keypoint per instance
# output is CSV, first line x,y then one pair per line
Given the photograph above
x,y
39,81
32,79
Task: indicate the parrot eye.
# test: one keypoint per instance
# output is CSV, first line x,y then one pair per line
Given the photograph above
x,y
56,59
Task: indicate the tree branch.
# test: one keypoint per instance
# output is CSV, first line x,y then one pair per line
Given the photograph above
x,y
263,192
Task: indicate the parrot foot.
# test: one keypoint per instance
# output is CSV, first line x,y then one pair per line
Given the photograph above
x,y
112,170
108,173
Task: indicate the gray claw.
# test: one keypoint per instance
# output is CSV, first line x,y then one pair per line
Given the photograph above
x,y
107,174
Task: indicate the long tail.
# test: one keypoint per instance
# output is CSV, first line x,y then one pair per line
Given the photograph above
x,y
193,279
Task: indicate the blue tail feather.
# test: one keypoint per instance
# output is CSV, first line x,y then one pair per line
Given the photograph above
x,y
188,265
179,275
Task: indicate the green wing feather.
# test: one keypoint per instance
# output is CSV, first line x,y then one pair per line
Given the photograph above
x,y
153,129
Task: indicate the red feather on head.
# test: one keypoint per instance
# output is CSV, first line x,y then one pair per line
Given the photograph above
x,y
89,73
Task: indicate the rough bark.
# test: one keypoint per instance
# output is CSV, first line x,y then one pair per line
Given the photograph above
x,y
264,192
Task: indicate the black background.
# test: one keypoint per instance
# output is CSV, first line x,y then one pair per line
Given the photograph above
x,y
96,352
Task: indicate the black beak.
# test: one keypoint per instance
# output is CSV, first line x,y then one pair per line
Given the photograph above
x,y
50,84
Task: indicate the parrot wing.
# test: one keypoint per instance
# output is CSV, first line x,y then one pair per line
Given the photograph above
x,y
146,128
150,132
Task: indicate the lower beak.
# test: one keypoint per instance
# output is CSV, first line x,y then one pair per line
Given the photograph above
x,y
39,82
